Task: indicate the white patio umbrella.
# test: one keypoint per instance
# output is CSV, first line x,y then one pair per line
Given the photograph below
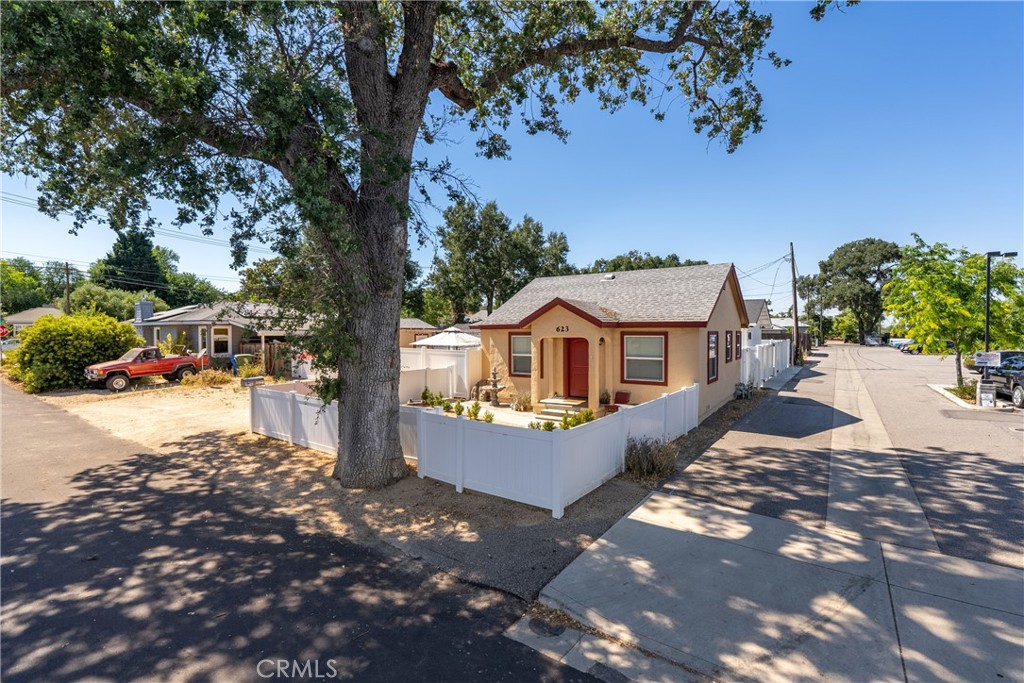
x,y
451,338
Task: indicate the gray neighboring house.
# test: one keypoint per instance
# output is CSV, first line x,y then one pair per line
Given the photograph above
x,y
221,327
758,313
25,319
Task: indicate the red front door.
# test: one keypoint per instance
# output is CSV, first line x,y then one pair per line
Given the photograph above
x,y
577,368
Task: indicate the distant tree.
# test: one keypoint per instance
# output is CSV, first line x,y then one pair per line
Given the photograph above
x,y
19,291
89,298
52,279
845,327
938,294
262,281
414,290
484,259
811,290
437,310
131,264
852,278
634,260
25,266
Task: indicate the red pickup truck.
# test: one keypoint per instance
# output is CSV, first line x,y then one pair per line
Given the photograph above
x,y
142,362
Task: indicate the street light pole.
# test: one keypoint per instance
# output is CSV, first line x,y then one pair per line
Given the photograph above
x,y
988,292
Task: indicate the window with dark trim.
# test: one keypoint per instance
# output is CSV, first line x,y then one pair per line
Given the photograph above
x,y
739,344
712,357
520,355
643,358
728,346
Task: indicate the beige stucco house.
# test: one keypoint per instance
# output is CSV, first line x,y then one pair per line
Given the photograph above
x,y
646,332
413,329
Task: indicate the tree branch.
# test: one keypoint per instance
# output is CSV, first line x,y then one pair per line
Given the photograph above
x,y
446,78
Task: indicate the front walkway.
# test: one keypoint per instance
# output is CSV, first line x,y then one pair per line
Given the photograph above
x,y
795,549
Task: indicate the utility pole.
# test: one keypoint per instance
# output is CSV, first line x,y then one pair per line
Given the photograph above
x,y
796,324
67,288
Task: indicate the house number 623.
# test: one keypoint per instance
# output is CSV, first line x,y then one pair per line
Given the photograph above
x,y
562,328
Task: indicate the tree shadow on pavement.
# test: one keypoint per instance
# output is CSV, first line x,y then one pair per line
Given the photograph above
x,y
156,571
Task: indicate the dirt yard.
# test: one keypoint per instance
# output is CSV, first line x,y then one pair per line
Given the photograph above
x,y
204,433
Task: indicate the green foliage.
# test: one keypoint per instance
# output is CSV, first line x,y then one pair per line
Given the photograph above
x,y
634,260
119,304
208,378
968,391
547,426
605,397
426,396
252,368
852,277
488,417
570,420
473,412
459,408
649,460
54,352
131,265
446,406
845,327
19,290
938,293
483,258
173,347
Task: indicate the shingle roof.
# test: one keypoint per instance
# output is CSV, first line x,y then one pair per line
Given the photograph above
x,y
33,314
754,308
685,294
415,324
240,313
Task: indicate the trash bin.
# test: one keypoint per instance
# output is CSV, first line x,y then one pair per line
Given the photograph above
x,y
986,394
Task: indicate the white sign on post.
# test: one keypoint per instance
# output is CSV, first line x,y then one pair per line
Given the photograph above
x,y
986,359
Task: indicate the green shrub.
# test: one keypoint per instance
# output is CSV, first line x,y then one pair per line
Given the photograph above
x,y
253,369
54,352
649,459
459,408
473,412
173,347
570,420
968,392
533,424
427,396
208,378
446,406
488,417
547,426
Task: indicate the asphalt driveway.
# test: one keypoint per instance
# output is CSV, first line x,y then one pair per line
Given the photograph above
x,y
124,565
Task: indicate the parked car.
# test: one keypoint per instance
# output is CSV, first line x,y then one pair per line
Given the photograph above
x,y
872,340
916,347
144,362
1004,356
1009,379
897,342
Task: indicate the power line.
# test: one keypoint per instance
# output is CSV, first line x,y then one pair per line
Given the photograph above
x,y
80,262
29,202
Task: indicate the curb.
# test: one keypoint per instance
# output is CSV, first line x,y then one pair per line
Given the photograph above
x,y
941,389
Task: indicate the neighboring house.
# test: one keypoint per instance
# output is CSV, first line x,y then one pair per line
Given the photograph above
x,y
221,327
414,329
647,332
757,313
20,321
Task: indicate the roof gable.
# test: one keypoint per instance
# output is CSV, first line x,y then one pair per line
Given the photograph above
x,y
687,294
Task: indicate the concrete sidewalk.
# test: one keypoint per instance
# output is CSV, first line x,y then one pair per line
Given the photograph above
x,y
795,549
732,594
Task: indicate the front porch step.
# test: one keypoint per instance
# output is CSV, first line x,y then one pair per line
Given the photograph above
x,y
555,408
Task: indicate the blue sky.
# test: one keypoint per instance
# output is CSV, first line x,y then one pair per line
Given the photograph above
x,y
893,118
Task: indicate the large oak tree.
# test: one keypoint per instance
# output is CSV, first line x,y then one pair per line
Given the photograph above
x,y
300,120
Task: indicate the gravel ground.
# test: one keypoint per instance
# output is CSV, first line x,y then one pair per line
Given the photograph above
x,y
479,538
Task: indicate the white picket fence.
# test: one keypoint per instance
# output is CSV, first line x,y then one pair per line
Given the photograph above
x,y
547,469
761,362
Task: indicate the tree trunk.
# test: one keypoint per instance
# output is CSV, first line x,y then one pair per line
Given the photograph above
x,y
369,449
959,370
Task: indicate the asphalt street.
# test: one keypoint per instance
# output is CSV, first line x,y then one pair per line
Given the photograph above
x,y
121,565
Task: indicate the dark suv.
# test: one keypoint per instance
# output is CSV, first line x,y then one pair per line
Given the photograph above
x,y
1009,379
972,363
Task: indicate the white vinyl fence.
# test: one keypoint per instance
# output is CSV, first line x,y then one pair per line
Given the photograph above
x,y
547,469
465,364
760,362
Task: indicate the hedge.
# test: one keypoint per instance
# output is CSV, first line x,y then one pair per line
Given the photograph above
x,y
54,352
